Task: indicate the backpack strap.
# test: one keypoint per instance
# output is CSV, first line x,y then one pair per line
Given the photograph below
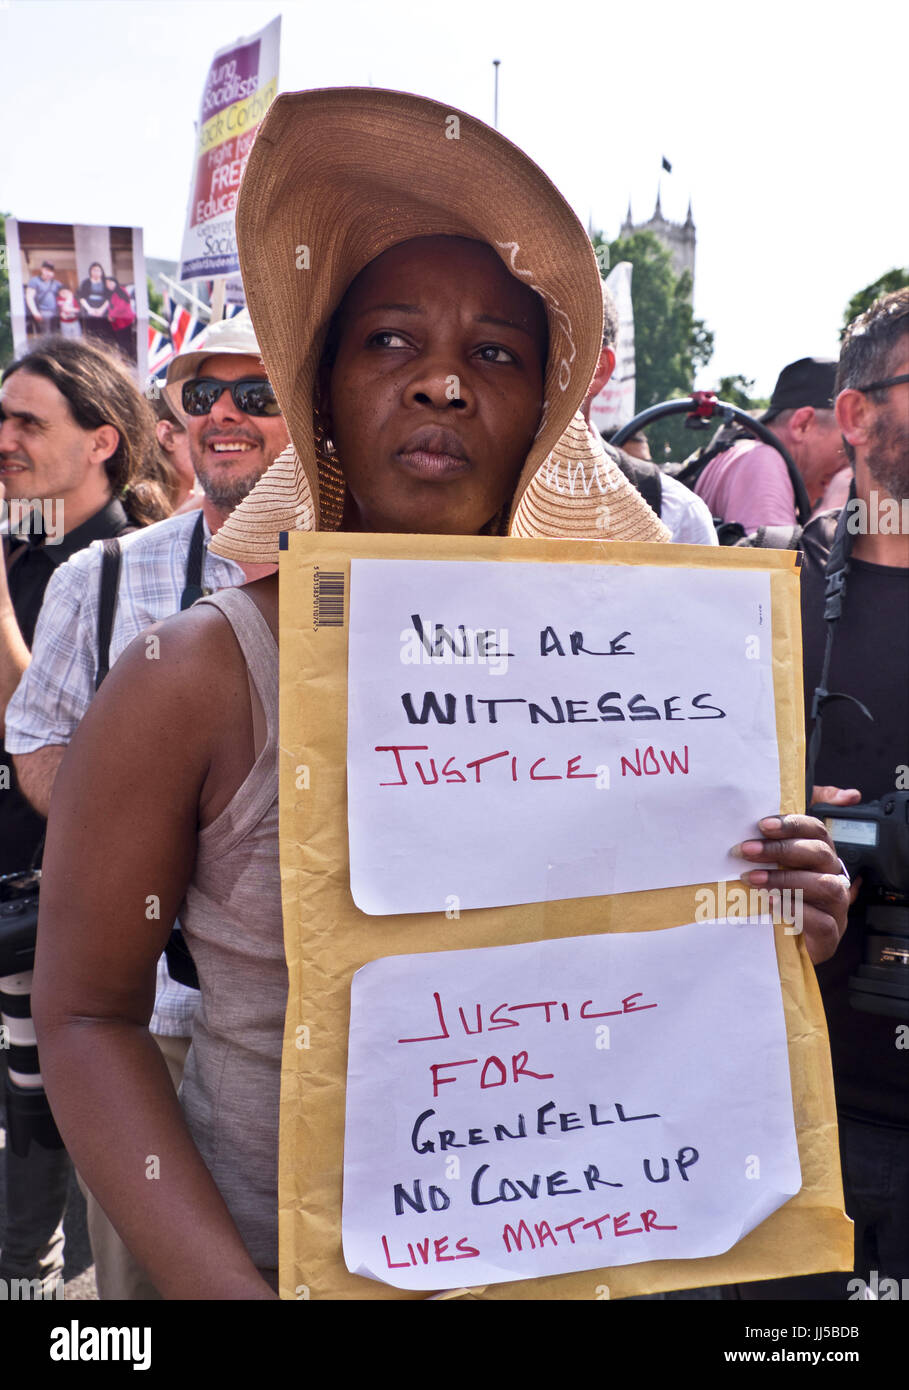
x,y
646,477
835,575
695,464
107,604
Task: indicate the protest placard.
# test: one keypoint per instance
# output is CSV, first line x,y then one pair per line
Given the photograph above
x,y
81,281
732,1227
532,732
565,1105
241,84
614,405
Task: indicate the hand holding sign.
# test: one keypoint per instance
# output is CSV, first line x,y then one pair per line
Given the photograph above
x,y
804,863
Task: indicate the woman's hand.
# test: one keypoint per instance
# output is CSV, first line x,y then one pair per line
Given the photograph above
x,y
805,863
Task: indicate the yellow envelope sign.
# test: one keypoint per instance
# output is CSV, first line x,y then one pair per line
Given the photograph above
x,y
385,883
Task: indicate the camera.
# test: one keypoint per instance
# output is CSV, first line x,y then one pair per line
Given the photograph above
x,y
28,1117
18,921
873,841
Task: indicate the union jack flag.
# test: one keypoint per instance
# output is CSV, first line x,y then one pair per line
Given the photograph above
x,y
185,327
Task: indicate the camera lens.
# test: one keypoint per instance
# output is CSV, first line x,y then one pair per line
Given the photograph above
x,y
881,983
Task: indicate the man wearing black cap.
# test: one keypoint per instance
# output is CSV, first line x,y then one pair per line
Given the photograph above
x,y
750,483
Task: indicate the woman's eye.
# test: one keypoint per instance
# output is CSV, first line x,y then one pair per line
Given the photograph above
x,y
387,339
492,353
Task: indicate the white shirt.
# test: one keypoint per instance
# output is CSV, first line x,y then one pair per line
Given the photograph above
x,y
687,516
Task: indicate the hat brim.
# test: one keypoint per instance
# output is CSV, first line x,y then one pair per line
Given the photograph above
x,y
336,177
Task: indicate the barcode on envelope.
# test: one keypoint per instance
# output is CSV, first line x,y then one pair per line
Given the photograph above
x,y
328,598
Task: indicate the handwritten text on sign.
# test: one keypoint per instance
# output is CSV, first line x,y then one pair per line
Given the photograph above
x,y
565,1105
528,732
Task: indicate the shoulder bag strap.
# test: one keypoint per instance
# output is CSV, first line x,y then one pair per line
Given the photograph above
x,y
107,604
192,584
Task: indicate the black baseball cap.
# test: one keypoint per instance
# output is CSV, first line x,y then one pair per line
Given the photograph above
x,y
809,381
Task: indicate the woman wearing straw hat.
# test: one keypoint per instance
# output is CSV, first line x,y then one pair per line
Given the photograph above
x,y
429,313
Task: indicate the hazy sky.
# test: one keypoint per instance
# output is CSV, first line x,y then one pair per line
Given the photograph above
x,y
784,122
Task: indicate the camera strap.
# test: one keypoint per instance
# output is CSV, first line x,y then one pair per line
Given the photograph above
x,y
835,573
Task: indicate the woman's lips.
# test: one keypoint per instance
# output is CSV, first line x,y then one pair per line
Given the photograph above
x,y
424,464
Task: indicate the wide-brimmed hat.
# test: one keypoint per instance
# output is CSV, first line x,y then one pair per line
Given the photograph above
x,y
335,178
232,336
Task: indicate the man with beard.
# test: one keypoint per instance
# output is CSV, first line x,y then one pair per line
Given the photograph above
x,y
860,760
235,432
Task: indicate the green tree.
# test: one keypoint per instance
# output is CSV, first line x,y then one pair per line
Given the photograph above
x,y
670,344
155,298
896,279
736,390
6,326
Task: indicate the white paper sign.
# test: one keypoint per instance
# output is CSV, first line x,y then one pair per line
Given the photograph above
x,y
565,1105
600,729
241,84
614,406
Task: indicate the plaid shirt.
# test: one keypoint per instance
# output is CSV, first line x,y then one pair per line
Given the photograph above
x,y
58,685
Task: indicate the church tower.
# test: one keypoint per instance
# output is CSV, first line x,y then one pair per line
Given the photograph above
x,y
679,238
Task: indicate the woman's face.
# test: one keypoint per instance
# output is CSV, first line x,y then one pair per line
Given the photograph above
x,y
436,389
110,282
95,273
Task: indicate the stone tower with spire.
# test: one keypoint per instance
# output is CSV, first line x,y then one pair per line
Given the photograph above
x,y
679,238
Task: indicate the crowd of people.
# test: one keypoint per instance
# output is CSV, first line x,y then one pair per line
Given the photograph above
x,y
101,309
332,406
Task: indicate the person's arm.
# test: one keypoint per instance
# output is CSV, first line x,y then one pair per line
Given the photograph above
x,y
36,773
14,654
144,768
33,303
58,685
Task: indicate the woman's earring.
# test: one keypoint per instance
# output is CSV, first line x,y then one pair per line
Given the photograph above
x,y
324,445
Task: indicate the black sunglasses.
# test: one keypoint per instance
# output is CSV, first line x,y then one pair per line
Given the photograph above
x,y
252,395
879,385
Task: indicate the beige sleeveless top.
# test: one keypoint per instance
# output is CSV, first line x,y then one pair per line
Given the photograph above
x,y
231,919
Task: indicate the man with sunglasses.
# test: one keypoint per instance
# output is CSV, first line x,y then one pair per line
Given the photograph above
x,y
235,431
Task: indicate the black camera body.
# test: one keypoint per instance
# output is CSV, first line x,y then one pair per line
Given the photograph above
x,y
18,921
872,840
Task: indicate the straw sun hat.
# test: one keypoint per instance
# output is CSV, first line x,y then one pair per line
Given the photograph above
x,y
336,177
